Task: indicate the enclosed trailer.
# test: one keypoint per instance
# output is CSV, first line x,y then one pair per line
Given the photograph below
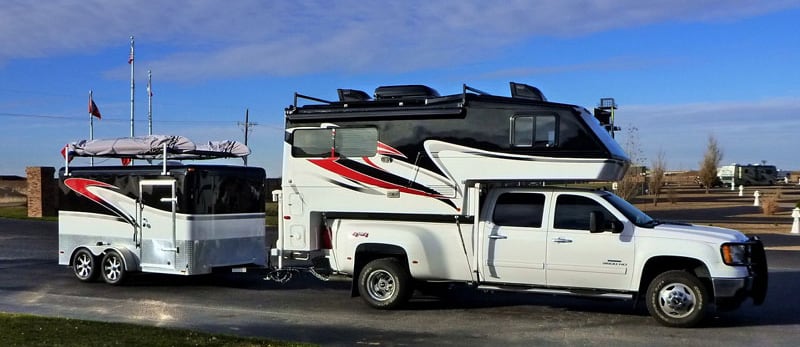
x,y
168,218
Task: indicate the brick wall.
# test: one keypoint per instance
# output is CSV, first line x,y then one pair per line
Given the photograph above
x,y
42,197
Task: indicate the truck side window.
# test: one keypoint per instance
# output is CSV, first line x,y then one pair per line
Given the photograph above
x,y
519,210
572,212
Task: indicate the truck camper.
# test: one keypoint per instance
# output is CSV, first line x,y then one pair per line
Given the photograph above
x,y
168,218
410,188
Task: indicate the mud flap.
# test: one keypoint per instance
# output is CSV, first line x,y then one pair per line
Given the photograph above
x,y
758,268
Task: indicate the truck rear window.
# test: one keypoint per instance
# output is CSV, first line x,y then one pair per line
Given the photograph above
x,y
519,210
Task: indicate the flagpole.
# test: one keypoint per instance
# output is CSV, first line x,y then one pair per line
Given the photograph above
x,y
149,103
91,125
133,87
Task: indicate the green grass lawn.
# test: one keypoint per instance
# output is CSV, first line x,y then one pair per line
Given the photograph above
x,y
28,330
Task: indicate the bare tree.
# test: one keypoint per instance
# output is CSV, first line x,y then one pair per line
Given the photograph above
x,y
629,186
657,170
711,160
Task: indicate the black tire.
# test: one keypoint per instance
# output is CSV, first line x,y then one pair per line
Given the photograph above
x,y
677,299
113,268
385,283
84,265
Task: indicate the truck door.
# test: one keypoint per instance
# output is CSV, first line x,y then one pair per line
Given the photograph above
x,y
578,258
156,220
514,239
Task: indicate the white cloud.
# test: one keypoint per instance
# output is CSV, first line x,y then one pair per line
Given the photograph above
x,y
237,38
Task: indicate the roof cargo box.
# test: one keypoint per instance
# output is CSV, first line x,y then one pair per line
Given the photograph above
x,y
406,91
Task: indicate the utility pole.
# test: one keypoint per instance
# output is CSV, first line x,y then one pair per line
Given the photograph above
x,y
247,128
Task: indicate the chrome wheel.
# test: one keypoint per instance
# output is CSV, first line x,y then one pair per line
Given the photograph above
x,y
113,268
677,300
84,265
385,283
380,285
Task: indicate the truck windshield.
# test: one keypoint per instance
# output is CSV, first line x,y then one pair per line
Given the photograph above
x,y
631,212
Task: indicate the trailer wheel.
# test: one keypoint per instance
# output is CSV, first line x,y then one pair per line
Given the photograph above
x,y
677,299
113,268
84,264
385,283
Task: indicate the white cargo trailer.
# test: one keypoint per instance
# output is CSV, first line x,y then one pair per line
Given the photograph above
x,y
169,218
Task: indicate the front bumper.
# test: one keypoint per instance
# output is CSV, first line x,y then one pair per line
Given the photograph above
x,y
728,291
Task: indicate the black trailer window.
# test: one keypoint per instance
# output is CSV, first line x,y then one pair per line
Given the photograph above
x,y
519,210
339,142
537,131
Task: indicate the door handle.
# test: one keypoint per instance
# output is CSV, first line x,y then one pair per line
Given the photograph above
x,y
498,237
561,240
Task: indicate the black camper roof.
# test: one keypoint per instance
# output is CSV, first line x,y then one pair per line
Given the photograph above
x,y
406,100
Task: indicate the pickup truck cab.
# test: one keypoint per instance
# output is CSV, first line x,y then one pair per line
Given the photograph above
x,y
560,241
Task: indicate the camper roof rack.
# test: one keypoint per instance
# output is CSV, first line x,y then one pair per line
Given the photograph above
x,y
414,93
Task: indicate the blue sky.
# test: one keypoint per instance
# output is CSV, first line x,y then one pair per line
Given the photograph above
x,y
680,71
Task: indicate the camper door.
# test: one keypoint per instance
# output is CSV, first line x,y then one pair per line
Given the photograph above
x,y
157,208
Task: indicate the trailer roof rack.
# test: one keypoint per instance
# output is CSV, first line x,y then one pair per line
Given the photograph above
x,y
153,147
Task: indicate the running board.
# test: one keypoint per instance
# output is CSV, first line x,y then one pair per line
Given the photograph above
x,y
584,293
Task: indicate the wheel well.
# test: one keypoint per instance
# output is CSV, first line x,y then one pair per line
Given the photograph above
x,y
658,265
128,259
368,252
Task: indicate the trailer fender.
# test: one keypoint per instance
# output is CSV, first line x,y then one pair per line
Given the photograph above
x,y
130,260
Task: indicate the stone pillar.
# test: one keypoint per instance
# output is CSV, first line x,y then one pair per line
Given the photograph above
x,y
42,194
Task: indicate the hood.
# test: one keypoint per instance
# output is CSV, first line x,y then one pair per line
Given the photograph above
x,y
699,233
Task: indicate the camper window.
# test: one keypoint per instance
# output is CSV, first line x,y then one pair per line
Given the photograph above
x,y
339,142
537,131
356,142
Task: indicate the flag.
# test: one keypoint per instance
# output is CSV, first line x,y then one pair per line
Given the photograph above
x,y
93,110
125,161
130,57
149,89
66,153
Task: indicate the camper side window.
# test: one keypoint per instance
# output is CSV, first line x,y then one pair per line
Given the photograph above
x,y
312,143
339,142
356,142
537,131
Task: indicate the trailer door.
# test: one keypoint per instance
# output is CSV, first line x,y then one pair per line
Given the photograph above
x,y
156,220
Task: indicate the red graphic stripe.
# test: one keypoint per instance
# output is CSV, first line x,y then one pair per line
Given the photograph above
x,y
81,185
389,150
333,166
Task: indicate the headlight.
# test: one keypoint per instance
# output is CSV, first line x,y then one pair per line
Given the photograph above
x,y
734,254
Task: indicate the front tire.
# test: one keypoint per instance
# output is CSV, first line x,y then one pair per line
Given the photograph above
x,y
385,283
677,299
113,267
84,265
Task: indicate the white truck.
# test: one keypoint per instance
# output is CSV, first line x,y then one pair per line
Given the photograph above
x,y
412,188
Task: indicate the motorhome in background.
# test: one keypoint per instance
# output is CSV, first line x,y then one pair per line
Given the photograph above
x,y
748,174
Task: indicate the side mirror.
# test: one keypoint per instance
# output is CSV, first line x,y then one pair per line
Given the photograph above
x,y
597,222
